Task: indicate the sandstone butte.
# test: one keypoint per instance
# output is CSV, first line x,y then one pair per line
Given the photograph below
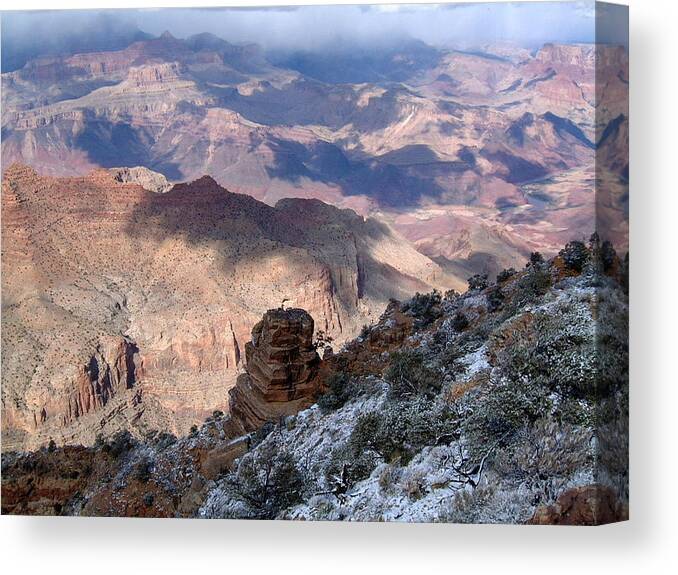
x,y
281,365
124,308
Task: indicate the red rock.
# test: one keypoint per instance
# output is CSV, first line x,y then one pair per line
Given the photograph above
x,y
586,505
281,364
93,266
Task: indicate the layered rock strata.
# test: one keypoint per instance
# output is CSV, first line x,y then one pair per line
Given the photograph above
x,y
124,308
281,364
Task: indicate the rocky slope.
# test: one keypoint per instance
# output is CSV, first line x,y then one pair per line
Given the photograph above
x,y
484,141
125,308
506,404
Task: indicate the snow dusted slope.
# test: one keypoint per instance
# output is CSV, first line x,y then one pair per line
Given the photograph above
x,y
507,404
523,406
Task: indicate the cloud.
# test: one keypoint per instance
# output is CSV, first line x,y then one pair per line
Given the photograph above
x,y
530,24
26,35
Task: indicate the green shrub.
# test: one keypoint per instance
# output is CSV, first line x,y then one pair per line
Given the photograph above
x,y
505,275
533,285
346,467
550,366
340,391
451,359
558,353
612,465
467,507
399,431
388,479
459,321
409,377
554,366
612,343
164,439
536,260
260,434
425,308
608,255
477,282
394,434
120,443
143,469
575,255
495,299
322,341
501,408
374,432
545,456
530,288
451,295
267,481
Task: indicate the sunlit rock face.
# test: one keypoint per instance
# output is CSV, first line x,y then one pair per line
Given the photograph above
x,y
281,364
125,308
477,158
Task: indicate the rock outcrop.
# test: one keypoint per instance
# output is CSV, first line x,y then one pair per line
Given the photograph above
x,y
451,145
111,369
545,474
147,179
281,364
584,505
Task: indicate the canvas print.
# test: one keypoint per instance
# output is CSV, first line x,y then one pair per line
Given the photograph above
x,y
362,263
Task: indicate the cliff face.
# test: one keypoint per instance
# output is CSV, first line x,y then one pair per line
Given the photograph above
x,y
124,308
111,370
280,379
283,376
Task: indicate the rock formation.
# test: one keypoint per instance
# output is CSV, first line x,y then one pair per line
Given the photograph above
x,y
147,179
111,369
490,153
281,364
548,472
583,505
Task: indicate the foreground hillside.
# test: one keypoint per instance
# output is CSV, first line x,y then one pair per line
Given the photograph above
x,y
129,308
506,404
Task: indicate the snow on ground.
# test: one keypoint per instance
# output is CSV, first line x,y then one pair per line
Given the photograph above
x,y
434,485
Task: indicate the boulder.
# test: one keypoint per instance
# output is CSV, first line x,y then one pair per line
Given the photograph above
x,y
584,505
147,179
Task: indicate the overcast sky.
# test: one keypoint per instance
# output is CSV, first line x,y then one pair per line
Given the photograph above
x,y
530,24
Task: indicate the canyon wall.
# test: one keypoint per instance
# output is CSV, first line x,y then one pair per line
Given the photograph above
x,y
125,308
